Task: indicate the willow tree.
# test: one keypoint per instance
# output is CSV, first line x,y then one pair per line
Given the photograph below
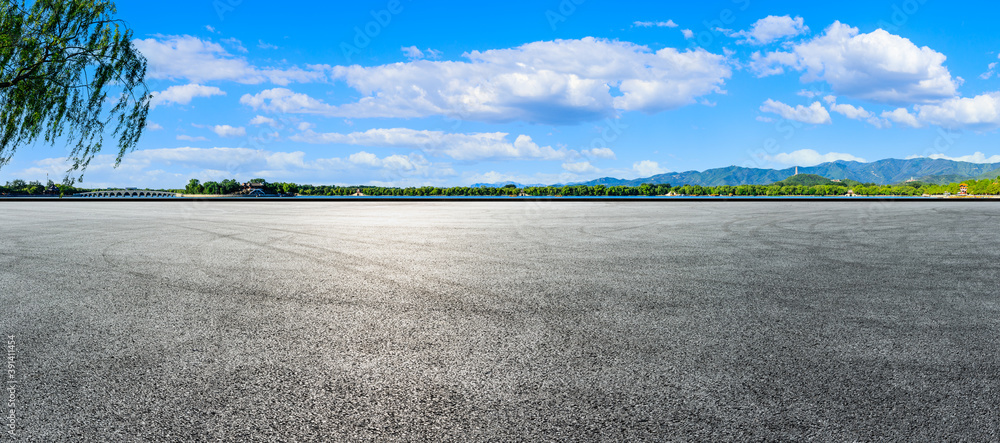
x,y
67,70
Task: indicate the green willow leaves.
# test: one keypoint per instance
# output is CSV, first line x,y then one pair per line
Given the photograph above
x,y
59,62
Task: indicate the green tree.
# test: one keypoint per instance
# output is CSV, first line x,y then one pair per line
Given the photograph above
x,y
193,187
211,188
59,61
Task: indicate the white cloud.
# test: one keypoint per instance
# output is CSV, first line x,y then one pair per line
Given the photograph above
x,y
877,66
395,162
556,82
854,112
229,131
688,34
188,57
648,168
807,93
305,126
579,167
210,28
466,147
150,126
851,112
182,94
761,118
189,138
809,157
978,157
979,113
814,114
990,70
412,52
261,120
235,44
599,153
902,116
666,24
772,28
286,101
262,45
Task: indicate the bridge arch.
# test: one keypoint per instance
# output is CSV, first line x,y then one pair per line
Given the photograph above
x,y
126,193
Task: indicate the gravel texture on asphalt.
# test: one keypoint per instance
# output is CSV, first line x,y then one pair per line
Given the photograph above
x,y
534,321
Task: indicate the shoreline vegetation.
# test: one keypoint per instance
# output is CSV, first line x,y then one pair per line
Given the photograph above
x,y
801,185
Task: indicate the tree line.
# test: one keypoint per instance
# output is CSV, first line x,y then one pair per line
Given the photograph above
x,y
980,187
231,186
34,187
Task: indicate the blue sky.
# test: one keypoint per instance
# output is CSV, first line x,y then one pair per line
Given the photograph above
x,y
454,93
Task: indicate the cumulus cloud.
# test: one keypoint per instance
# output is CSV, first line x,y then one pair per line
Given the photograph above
x,y
229,131
150,126
183,94
555,82
648,168
990,70
287,101
809,157
467,147
877,66
189,138
688,34
902,116
599,153
198,61
666,24
854,112
412,52
978,157
771,28
807,93
261,120
262,45
814,114
393,162
851,112
979,113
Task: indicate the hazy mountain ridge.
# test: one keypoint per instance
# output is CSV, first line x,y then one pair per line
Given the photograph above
x,y
881,172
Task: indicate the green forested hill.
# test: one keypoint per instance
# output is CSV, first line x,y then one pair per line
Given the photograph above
x,y
882,172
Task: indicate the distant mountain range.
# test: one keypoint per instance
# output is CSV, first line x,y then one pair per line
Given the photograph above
x,y
882,172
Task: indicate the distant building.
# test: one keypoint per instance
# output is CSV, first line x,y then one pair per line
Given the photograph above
x,y
51,190
850,193
963,189
835,180
358,193
249,187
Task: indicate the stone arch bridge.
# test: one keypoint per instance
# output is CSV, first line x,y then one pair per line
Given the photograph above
x,y
130,193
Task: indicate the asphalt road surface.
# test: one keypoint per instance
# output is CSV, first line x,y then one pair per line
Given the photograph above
x,y
527,321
